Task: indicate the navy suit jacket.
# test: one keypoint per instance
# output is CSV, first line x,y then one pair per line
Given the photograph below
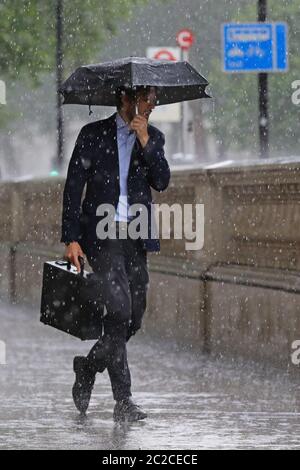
x,y
95,163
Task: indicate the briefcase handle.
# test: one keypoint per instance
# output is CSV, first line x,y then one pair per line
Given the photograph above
x,y
68,263
81,261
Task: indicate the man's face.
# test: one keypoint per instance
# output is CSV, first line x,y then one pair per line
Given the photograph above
x,y
145,102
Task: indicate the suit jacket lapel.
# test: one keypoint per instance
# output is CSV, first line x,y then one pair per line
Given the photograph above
x,y
111,146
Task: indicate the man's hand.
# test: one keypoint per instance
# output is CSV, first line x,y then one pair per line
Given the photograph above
x,y
140,125
72,253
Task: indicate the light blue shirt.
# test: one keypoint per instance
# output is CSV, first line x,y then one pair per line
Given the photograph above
x,y
126,138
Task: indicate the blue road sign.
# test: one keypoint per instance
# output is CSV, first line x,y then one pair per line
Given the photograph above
x,y
255,47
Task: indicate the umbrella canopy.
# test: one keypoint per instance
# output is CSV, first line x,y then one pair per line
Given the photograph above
x,y
96,84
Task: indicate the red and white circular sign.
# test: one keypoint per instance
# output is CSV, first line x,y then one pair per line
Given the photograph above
x,y
185,39
164,54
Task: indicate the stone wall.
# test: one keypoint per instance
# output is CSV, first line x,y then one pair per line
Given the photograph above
x,y
238,296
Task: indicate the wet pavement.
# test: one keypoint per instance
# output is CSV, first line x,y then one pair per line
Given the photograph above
x,y
193,401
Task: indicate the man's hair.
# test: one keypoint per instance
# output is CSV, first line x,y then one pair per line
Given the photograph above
x,y
131,93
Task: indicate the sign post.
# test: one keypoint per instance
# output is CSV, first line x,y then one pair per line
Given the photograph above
x,y
59,79
263,95
185,39
260,48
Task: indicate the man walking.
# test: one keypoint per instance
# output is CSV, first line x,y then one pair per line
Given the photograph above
x,y
119,159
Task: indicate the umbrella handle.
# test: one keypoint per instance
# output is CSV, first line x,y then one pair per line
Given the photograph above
x,y
136,113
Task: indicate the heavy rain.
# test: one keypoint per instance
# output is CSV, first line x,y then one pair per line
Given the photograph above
x,y
149,237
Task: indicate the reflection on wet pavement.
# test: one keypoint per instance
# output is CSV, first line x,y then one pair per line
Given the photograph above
x,y
193,401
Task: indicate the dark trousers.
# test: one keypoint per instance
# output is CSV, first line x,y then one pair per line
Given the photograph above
x,y
121,267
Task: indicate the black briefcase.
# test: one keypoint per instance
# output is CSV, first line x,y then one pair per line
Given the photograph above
x,y
71,301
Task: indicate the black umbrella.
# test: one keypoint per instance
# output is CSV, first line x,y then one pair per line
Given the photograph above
x,y
96,84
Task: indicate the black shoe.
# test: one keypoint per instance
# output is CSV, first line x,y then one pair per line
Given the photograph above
x,y
127,410
84,383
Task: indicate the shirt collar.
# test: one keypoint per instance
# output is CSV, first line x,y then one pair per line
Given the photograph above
x,y
121,124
